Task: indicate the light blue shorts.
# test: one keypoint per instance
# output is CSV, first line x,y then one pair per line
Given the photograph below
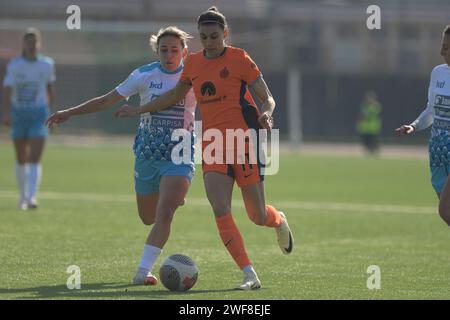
x,y
29,123
147,174
439,152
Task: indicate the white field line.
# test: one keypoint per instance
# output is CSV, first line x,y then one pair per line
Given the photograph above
x,y
282,204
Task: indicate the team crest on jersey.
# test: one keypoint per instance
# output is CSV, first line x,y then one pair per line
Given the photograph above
x,y
224,73
208,88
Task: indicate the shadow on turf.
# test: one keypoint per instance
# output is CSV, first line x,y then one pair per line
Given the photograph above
x,y
124,290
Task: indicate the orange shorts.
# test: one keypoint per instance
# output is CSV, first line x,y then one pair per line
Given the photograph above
x,y
244,172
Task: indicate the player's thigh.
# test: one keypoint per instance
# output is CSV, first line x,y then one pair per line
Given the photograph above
x,y
219,189
21,148
147,205
444,196
174,183
173,190
36,149
248,171
255,203
146,186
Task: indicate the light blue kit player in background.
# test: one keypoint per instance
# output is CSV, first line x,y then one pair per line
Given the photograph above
x,y
28,93
437,115
160,184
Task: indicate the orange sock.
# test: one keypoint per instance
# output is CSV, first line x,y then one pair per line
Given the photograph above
x,y
232,239
274,218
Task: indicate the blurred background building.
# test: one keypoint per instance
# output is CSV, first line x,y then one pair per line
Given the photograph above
x,y
318,57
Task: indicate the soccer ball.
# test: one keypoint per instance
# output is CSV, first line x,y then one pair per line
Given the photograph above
x,y
178,272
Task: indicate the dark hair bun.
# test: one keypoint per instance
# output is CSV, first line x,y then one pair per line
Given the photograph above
x,y
212,16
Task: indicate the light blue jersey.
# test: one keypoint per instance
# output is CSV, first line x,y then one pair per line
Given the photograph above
x,y
28,80
437,114
153,144
154,139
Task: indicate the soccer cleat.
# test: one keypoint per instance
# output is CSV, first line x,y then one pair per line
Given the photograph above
x,y
22,205
250,282
284,234
32,203
144,277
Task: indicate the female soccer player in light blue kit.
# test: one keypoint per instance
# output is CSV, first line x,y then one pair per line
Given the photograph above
x,y
160,183
437,114
28,93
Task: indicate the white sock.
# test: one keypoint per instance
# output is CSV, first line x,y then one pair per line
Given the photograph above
x,y
149,256
21,176
34,179
249,269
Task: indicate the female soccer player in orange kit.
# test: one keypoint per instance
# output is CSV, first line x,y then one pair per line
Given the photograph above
x,y
219,75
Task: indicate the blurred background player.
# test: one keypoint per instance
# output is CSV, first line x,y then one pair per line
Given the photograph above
x,y
369,123
219,75
160,184
28,94
437,114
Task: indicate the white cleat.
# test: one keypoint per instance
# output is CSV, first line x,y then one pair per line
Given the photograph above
x,y
284,234
250,282
22,205
32,203
144,277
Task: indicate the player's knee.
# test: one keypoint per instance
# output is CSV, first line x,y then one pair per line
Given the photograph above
x,y
147,221
444,212
446,218
168,205
147,217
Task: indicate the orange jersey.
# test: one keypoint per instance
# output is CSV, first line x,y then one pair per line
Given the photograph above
x,y
220,87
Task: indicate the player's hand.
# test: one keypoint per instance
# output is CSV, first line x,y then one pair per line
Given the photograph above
x,y
57,118
404,130
126,111
266,120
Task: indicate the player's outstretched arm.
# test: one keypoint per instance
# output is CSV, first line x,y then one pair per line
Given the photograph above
x,y
423,121
94,105
164,101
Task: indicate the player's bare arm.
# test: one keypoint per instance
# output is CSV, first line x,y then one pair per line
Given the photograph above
x,y
268,103
51,94
423,121
94,105
6,102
